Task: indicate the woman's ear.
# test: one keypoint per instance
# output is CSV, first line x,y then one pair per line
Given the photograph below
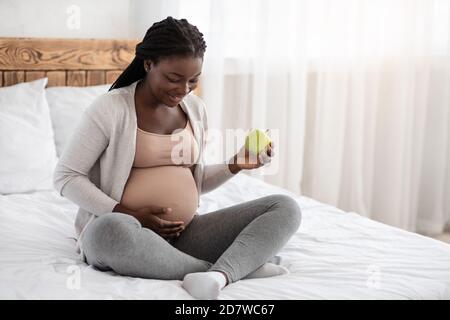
x,y
147,65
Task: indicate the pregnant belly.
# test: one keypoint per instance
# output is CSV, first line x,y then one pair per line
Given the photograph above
x,y
164,186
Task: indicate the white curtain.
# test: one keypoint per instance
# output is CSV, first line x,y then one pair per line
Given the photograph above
x,y
254,76
358,92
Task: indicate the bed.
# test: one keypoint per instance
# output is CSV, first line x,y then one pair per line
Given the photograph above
x,y
334,254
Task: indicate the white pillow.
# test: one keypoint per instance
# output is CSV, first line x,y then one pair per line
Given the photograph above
x,y
27,149
66,107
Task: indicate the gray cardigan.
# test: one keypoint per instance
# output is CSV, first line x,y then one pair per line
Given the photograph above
x,y
96,162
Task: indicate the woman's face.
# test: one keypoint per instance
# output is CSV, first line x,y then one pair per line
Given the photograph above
x,y
173,78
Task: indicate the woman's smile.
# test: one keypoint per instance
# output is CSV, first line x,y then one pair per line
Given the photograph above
x,y
175,99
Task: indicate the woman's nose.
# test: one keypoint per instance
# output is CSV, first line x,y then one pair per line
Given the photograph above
x,y
186,89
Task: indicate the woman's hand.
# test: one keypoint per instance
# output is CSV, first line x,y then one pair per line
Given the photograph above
x,y
246,160
148,217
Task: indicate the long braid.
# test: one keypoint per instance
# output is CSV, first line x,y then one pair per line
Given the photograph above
x,y
165,38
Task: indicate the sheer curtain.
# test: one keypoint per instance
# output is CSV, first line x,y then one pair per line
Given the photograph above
x,y
356,91
377,129
254,76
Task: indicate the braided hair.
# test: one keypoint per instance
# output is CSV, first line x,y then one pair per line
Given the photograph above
x,y
168,37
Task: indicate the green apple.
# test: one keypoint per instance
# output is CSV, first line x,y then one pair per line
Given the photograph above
x,y
256,141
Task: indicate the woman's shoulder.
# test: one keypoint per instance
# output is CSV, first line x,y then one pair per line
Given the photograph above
x,y
196,105
109,103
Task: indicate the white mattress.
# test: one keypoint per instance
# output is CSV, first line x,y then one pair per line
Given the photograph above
x,y
334,255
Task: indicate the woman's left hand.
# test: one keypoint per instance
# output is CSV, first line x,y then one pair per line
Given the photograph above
x,y
246,160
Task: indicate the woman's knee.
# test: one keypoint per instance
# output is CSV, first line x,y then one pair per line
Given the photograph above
x,y
112,232
289,209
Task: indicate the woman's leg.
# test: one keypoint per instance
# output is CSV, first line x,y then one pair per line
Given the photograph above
x,y
241,238
117,241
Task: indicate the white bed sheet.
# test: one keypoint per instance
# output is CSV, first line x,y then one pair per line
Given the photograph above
x,y
334,255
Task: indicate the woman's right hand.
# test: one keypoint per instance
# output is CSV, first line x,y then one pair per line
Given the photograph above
x,y
149,218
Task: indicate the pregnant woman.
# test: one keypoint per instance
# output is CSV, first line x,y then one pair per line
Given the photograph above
x,y
135,168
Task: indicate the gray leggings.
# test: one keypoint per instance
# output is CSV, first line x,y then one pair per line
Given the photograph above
x,y
235,240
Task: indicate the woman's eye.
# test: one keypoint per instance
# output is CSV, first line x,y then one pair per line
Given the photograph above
x,y
194,81
171,80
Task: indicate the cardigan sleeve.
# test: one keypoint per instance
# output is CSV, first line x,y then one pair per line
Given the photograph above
x,y
70,177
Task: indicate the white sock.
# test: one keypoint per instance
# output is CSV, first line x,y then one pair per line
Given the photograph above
x,y
204,285
267,270
275,260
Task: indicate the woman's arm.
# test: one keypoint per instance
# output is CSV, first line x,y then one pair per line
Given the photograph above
x,y
233,167
84,148
215,175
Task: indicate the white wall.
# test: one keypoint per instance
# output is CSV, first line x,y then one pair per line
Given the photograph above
x,y
108,19
146,12
66,18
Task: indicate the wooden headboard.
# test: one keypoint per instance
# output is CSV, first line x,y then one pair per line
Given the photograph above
x,y
66,62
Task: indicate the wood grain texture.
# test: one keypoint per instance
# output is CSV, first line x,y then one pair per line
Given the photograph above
x,y
76,78
13,77
112,76
65,54
56,78
65,62
95,78
34,75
